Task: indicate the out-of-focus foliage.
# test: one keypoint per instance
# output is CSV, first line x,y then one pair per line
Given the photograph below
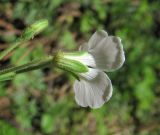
x,y
42,102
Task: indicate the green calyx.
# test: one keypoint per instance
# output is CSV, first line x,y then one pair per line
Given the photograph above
x,y
73,65
69,65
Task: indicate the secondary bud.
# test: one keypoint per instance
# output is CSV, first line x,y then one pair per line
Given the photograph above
x,y
34,29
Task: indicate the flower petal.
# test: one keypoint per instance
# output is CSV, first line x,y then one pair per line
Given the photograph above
x,y
108,54
91,74
86,59
96,38
93,93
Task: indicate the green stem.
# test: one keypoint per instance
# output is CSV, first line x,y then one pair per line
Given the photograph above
x,y
36,64
12,47
8,76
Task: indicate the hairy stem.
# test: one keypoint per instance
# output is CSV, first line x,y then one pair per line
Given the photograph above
x,y
33,65
6,77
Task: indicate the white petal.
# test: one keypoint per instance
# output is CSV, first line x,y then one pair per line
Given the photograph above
x,y
86,59
93,93
96,38
91,74
108,54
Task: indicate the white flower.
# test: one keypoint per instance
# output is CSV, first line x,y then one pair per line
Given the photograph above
x,y
105,53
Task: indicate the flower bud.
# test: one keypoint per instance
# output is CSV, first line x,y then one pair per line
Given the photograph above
x,y
34,29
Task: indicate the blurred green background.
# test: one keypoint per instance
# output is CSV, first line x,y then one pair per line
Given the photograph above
x,y
42,102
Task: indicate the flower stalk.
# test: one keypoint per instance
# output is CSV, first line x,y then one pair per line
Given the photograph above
x,y
8,76
33,65
58,60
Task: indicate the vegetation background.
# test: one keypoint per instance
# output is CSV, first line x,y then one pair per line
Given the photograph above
x,y
42,102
